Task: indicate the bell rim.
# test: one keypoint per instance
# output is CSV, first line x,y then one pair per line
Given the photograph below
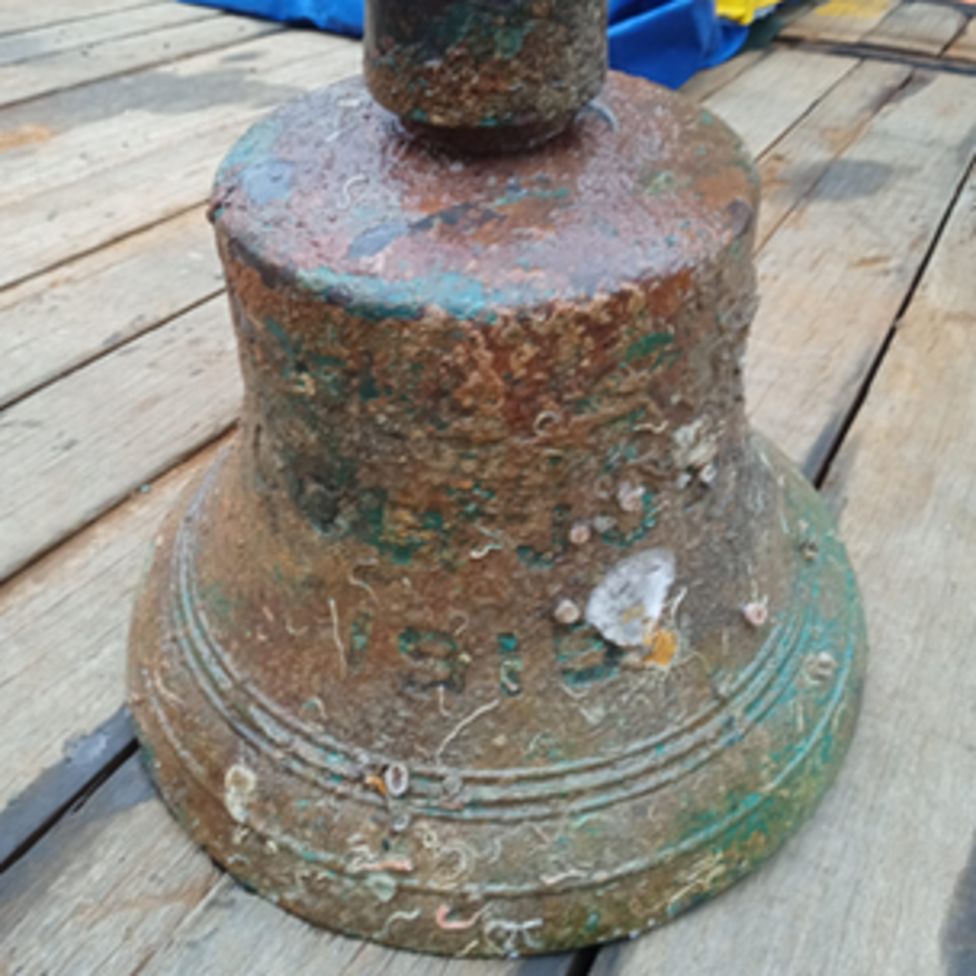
x,y
817,765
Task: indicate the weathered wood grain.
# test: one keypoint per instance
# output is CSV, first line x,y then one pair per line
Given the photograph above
x,y
63,631
112,201
53,39
29,79
122,473
839,21
836,272
796,163
925,28
228,934
98,893
60,320
708,82
85,762
81,907
872,884
64,319
767,99
64,137
17,16
79,446
964,47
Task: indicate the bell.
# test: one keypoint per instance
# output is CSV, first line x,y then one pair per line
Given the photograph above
x,y
496,630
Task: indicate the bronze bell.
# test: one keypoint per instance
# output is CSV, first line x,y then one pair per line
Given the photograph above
x,y
496,630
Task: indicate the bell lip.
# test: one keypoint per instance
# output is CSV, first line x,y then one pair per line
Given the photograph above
x,y
756,827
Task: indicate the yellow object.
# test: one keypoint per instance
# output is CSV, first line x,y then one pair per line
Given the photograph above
x,y
663,645
743,11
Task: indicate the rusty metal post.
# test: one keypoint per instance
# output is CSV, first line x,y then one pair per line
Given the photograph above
x,y
483,75
496,631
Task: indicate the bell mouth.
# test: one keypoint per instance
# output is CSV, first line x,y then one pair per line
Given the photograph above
x,y
572,812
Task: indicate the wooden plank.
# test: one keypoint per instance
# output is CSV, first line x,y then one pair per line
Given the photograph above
x,y
30,79
964,47
53,39
81,445
64,319
117,888
96,894
63,633
86,760
77,217
64,137
17,16
878,882
766,100
925,28
708,82
839,21
833,276
794,166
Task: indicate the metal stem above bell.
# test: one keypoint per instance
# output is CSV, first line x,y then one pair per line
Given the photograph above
x,y
496,631
483,75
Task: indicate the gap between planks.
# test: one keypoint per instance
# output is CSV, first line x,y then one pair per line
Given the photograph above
x,y
951,64
878,882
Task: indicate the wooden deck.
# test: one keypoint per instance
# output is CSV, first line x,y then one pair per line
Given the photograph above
x,y
118,376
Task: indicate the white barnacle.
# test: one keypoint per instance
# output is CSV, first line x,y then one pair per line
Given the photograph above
x,y
630,496
240,783
631,597
756,612
821,667
567,612
396,779
579,534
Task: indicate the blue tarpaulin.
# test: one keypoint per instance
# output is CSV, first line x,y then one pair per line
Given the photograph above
x,y
664,40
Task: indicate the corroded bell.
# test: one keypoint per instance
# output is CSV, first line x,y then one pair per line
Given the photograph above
x,y
496,630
